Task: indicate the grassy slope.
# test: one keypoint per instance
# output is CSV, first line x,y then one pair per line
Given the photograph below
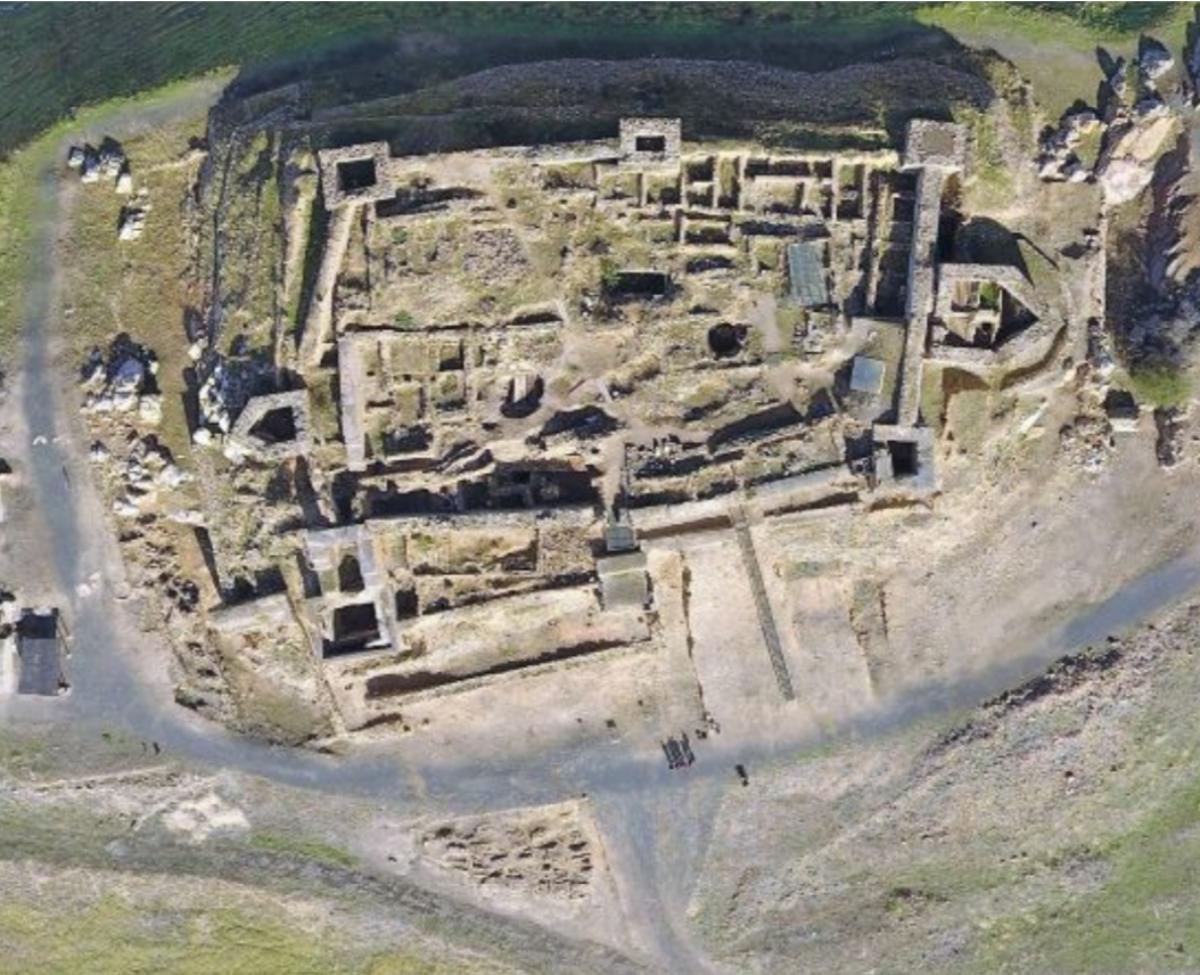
x,y
60,56
185,932
81,893
22,205
111,936
138,287
1058,54
1145,916
1061,835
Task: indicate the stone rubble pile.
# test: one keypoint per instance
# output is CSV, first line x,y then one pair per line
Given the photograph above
x,y
226,387
132,222
107,162
217,396
1101,356
1169,436
110,163
147,472
123,382
1057,159
1087,442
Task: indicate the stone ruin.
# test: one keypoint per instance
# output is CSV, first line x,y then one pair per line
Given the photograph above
x,y
271,428
650,141
1116,141
486,452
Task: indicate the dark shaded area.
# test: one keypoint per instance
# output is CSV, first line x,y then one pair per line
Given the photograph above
x,y
637,284
671,466
766,228
649,499
586,421
350,577
904,457
726,340
510,487
345,487
710,262
837,500
355,174
318,227
406,604
982,240
355,628
306,494
423,200
408,440
573,89
821,405
389,503
520,402
756,425
391,685
1145,309
276,426
269,582
543,316
428,45
204,543
1120,404
519,486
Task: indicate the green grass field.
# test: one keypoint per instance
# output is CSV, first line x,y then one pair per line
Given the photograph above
x,y
55,58
147,932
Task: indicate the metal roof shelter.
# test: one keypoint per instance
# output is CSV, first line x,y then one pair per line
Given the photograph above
x,y
40,653
806,274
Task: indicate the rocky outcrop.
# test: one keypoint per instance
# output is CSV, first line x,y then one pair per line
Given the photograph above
x,y
1132,148
1119,142
1058,158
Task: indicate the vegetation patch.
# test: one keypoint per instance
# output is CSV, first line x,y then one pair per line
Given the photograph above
x,y
309,849
117,937
1160,384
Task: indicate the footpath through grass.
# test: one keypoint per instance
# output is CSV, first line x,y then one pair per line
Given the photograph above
x,y
23,202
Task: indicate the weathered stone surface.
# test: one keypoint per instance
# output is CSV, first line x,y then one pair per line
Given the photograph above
x,y
929,144
245,441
